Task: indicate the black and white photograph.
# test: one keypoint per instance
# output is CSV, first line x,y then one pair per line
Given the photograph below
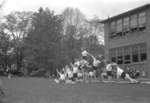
x,y
74,51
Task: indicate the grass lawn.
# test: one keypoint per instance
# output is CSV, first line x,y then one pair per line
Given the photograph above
x,y
41,90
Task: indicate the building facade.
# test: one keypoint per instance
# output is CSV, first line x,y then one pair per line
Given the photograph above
x,y
127,39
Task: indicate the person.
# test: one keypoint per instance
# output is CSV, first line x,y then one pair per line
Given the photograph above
x,y
95,63
85,55
121,74
70,74
132,72
62,76
75,70
9,72
80,74
83,63
109,70
92,75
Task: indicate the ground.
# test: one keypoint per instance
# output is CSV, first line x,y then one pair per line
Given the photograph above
x,y
42,90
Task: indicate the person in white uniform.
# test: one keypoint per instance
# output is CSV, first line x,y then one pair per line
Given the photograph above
x,y
121,74
75,67
62,77
95,63
85,55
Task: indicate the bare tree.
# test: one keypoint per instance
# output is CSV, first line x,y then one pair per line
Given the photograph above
x,y
73,17
2,4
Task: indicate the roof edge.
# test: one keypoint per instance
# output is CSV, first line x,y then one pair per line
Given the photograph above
x,y
126,13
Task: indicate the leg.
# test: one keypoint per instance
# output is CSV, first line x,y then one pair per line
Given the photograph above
x,y
130,79
109,74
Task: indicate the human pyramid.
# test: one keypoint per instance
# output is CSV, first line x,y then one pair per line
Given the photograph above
x,y
88,69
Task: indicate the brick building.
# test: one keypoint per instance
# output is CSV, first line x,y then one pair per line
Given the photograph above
x,y
127,39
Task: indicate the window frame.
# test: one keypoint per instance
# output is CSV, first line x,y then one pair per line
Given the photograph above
x,y
142,21
134,22
143,52
130,54
120,54
113,29
119,27
127,52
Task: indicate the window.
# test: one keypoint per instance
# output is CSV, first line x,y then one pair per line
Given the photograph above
x,y
119,27
112,55
142,21
113,28
143,53
133,22
127,55
135,54
126,24
120,56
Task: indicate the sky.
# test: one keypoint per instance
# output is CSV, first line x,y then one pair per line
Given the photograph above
x,y
90,8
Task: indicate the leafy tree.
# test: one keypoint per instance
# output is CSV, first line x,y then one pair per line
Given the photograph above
x,y
43,40
92,45
73,16
72,44
5,49
17,26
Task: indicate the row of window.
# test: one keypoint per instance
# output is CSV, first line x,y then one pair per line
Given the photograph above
x,y
129,54
128,24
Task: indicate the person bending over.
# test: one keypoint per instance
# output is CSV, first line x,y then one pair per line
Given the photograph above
x,y
121,74
109,70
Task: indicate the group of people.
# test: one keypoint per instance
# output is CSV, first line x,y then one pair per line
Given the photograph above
x,y
87,68
83,69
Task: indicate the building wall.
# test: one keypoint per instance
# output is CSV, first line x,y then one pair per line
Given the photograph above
x,y
130,39
148,41
106,37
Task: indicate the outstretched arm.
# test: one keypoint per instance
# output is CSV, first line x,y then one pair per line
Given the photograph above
x,y
71,65
94,59
58,71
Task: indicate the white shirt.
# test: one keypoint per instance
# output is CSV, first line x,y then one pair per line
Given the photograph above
x,y
62,76
119,71
109,67
84,62
96,63
77,63
70,74
80,74
75,69
84,53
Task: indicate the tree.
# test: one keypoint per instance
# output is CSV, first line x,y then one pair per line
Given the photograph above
x,y
17,26
2,4
43,40
81,33
92,45
5,48
74,17
72,44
